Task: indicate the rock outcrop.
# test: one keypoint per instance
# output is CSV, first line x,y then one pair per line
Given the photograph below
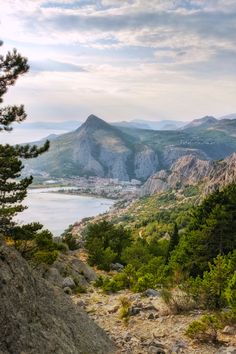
x,y
190,170
36,318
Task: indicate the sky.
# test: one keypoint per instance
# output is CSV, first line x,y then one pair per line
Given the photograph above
x,y
123,59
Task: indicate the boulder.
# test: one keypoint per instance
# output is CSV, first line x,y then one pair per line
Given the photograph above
x,y
229,330
117,266
68,282
152,293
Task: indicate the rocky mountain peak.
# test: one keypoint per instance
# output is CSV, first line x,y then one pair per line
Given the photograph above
x,y
207,120
93,122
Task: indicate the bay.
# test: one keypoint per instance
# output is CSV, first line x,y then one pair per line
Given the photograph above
x,y
56,211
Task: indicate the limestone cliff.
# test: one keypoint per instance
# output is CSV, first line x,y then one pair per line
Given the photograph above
x,y
190,170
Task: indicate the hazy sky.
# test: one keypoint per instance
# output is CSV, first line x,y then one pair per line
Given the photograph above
x,y
123,59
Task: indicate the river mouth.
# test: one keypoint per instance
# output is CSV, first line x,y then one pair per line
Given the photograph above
x,y
56,211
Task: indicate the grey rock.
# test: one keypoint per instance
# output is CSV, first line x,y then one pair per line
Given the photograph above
x,y
81,303
227,350
127,337
152,293
53,276
39,318
178,347
145,163
190,170
134,311
117,266
154,350
229,330
68,282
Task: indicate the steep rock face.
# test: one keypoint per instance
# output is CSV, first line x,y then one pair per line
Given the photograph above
x,y
145,163
83,156
223,173
190,170
115,162
173,153
36,318
99,150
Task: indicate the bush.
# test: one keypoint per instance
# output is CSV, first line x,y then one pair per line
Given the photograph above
x,y
46,257
143,283
79,289
230,293
71,241
177,300
204,330
211,291
125,308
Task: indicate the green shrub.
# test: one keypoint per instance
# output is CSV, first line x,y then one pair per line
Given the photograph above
x,y
230,293
79,289
71,241
143,283
105,243
124,311
214,289
46,257
204,330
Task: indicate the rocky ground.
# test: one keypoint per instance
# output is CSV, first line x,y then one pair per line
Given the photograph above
x,y
151,327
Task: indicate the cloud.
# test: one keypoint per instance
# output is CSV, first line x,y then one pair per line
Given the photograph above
x,y
55,66
140,58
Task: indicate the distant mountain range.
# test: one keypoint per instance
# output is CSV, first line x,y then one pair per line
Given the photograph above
x,y
66,125
101,149
136,123
152,125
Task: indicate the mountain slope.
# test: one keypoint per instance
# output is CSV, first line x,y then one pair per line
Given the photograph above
x,y
189,170
98,148
38,318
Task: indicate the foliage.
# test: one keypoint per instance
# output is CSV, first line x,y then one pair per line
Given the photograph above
x,y
174,240
205,329
176,300
137,254
105,243
211,231
70,241
36,245
125,308
230,292
28,239
210,291
45,256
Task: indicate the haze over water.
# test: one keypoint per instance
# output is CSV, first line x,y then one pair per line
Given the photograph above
x,y
56,211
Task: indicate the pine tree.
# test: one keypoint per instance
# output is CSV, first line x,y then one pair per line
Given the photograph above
x,y
174,240
13,189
